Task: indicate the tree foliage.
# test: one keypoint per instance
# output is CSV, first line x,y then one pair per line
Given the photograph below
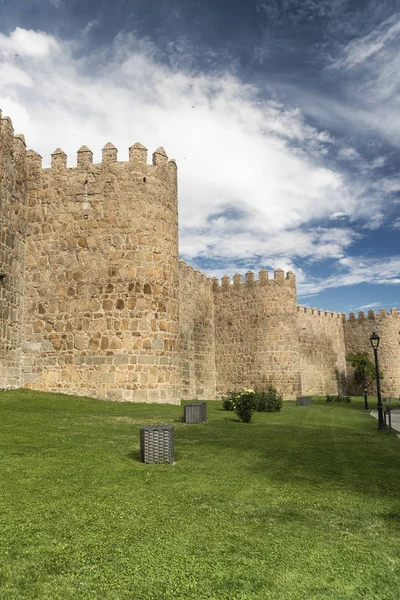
x,y
361,361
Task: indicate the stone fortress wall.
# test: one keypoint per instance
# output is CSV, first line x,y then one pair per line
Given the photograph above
x,y
256,333
387,326
101,276
95,302
197,347
12,251
322,360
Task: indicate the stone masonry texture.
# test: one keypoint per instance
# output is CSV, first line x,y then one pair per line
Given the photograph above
x,y
94,302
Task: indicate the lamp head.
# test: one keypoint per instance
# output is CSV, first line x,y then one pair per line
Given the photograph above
x,y
374,339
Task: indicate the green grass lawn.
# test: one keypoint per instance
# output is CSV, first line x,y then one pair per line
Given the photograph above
x,y
302,504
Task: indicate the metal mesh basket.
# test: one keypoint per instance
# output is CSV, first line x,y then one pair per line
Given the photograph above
x,y
303,401
195,412
157,444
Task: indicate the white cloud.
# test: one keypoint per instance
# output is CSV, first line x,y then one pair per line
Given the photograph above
x,y
90,25
11,75
349,153
378,162
22,43
370,68
355,271
388,185
361,50
369,306
252,181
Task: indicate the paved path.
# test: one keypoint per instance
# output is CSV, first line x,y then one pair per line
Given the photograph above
x,y
395,418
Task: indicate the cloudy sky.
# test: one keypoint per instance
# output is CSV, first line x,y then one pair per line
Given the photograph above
x,y
283,117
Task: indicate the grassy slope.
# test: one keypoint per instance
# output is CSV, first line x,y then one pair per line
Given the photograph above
x,y
300,504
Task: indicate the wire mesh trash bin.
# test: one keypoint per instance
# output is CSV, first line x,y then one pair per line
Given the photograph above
x,y
195,412
303,401
157,444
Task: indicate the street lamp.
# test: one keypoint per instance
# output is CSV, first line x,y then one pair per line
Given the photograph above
x,y
363,364
374,339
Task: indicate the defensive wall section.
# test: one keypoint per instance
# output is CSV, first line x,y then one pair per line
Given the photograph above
x,y
12,251
93,299
387,325
256,333
101,276
322,357
197,350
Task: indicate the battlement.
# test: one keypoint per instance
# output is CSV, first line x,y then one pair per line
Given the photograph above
x,y
193,274
249,280
320,312
12,144
137,158
372,315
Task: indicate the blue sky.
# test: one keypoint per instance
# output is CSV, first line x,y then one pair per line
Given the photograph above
x,y
283,116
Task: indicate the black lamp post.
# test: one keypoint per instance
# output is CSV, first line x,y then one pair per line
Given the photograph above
x,y
374,339
363,365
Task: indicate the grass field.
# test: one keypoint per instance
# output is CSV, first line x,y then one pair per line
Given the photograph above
x,y
302,504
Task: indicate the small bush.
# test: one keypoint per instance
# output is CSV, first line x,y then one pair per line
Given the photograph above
x,y
246,401
229,402
337,398
269,401
245,406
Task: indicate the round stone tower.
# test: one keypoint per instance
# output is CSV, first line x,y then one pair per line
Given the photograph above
x,y
102,276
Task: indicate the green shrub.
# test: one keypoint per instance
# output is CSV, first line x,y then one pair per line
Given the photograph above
x,y
269,401
245,406
230,401
337,398
265,401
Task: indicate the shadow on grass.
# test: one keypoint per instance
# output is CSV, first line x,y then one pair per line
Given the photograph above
x,y
363,460
134,455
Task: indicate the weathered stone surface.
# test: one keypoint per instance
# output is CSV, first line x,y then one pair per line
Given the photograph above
x,y
94,302
256,334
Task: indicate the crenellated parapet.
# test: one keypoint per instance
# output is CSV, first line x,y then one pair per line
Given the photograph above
x,y
373,316
12,151
325,314
194,276
249,281
84,158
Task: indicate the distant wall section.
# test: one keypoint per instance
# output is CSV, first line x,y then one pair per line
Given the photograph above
x,y
256,336
387,326
196,334
322,351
